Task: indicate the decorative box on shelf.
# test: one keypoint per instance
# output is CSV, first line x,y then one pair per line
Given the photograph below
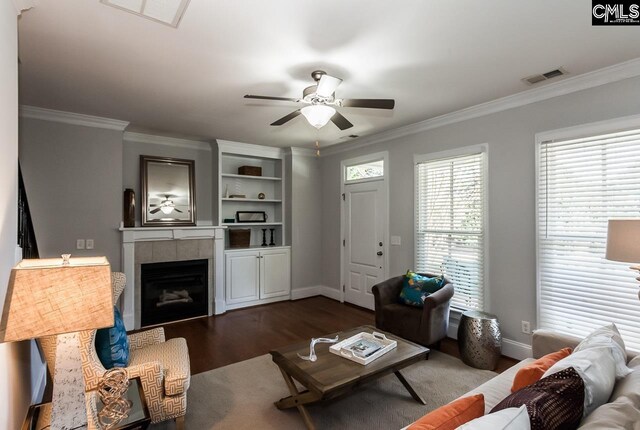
x,y
250,170
364,347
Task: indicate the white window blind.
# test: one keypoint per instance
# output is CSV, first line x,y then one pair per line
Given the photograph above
x,y
582,183
450,213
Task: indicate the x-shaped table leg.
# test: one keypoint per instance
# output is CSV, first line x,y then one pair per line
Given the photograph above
x,y
297,399
409,388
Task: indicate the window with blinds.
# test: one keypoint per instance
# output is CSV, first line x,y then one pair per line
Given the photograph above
x,y
581,184
450,223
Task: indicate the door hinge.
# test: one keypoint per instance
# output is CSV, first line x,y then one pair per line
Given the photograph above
x,y
344,242
343,197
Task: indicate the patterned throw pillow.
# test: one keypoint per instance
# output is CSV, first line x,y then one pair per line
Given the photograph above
x,y
554,402
112,344
416,288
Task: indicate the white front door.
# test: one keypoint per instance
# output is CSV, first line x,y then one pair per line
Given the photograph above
x,y
365,213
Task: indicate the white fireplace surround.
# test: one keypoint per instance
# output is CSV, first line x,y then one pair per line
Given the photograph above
x,y
131,236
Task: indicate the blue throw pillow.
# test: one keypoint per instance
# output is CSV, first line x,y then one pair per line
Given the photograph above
x,y
416,288
112,344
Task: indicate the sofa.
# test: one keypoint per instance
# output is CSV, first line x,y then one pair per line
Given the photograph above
x,y
622,411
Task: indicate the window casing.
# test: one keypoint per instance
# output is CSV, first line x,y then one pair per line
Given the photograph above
x,y
582,182
450,221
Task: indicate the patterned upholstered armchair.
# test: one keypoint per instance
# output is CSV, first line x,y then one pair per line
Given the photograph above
x,y
162,366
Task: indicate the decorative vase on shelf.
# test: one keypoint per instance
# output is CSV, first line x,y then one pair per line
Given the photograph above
x,y
129,208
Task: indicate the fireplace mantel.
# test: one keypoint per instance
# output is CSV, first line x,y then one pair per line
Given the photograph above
x,y
130,236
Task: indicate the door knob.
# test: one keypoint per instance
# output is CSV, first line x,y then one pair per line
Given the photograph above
x,y
379,252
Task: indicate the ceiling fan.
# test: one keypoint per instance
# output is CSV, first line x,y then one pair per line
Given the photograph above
x,y
321,102
166,206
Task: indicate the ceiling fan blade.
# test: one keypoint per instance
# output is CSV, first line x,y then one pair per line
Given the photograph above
x,y
327,85
341,121
155,211
281,99
177,210
287,118
368,103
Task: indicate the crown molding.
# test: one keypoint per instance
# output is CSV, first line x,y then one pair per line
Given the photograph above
x,y
250,149
607,75
22,5
301,152
201,145
72,118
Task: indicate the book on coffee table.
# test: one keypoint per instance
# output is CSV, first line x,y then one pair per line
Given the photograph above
x,y
364,347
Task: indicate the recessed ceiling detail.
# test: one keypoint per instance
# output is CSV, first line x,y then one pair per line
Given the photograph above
x,y
531,80
165,11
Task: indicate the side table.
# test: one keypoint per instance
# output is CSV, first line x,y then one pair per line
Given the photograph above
x,y
39,416
139,417
479,340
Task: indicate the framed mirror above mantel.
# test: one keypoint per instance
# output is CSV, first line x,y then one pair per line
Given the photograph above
x,y
168,191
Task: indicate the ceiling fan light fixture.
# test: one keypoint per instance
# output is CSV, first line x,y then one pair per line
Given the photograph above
x,y
318,115
166,209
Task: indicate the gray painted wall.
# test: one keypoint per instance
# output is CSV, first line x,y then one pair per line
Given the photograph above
x,y
203,167
306,217
21,368
73,178
510,135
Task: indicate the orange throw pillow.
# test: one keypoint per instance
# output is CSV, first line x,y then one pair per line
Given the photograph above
x,y
453,415
532,373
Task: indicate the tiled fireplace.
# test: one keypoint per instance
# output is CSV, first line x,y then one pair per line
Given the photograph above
x,y
173,291
172,274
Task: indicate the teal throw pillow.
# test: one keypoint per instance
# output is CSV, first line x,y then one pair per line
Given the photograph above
x,y
416,288
112,344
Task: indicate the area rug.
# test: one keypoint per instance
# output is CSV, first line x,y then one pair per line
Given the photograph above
x,y
241,396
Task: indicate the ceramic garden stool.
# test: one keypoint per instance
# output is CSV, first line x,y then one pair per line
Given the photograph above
x,y
479,340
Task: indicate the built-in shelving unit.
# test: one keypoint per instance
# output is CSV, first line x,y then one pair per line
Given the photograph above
x,y
254,274
231,156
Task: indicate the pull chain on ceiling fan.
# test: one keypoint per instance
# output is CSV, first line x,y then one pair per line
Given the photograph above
x,y
321,103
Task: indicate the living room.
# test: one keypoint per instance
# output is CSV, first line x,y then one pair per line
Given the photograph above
x,y
532,107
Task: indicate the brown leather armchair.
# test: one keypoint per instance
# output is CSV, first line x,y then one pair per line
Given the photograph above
x,y
426,326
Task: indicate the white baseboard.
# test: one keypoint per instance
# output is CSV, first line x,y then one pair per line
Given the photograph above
x,y
303,293
517,350
332,293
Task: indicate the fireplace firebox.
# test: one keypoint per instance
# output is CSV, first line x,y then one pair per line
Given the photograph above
x,y
173,291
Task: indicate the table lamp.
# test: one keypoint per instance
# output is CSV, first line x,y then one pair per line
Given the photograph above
x,y
48,297
623,242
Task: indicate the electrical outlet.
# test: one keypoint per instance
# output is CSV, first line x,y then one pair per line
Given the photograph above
x,y
89,243
396,240
526,327
80,244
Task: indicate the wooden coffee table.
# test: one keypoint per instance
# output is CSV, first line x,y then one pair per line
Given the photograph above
x,y
331,375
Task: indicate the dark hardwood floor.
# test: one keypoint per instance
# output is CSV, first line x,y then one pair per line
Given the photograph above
x,y
246,333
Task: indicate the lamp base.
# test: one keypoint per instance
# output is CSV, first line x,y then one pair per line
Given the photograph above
x,y
68,399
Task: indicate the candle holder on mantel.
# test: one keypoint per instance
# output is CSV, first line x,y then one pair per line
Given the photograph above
x,y
272,243
264,237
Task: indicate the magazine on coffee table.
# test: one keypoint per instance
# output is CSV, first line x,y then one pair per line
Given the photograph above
x,y
364,347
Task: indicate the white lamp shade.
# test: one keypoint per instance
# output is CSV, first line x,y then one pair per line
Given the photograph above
x,y
318,115
623,240
46,297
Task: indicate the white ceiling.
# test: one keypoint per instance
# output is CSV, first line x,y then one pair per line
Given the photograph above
x,y
432,56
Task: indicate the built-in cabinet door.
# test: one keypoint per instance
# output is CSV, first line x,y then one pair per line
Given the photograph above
x,y
275,273
242,274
